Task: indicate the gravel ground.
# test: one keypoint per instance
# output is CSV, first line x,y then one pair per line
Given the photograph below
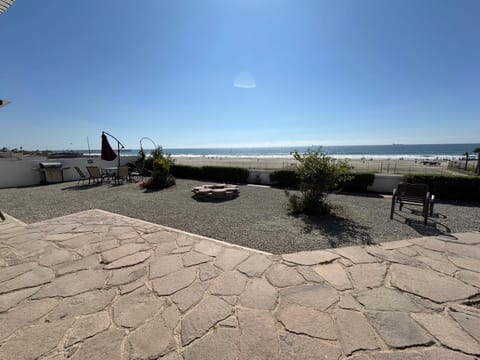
x,y
258,218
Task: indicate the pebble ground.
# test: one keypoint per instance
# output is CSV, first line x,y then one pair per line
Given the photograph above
x,y
258,218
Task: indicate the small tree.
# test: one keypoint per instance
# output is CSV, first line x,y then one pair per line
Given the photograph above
x,y
157,153
159,165
477,151
319,174
161,177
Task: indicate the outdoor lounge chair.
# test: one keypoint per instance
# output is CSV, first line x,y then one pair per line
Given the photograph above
x,y
95,174
81,174
134,173
413,194
122,173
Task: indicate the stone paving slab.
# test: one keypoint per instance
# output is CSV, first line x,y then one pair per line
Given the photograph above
x,y
97,285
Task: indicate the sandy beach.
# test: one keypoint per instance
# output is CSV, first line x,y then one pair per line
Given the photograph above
x,y
385,166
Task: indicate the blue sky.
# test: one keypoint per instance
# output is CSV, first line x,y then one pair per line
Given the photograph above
x,y
239,72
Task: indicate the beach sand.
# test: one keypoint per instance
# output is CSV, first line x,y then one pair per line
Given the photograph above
x,y
385,166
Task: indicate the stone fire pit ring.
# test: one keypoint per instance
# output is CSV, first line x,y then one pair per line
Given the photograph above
x,y
216,191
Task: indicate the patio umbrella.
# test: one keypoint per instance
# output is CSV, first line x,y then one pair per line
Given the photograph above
x,y
4,102
5,4
107,151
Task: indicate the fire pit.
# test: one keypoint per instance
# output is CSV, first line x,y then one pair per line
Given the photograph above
x,y
216,191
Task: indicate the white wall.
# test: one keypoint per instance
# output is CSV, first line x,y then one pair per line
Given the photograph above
x,y
259,177
14,172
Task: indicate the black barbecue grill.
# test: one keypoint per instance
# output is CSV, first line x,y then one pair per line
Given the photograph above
x,y
51,172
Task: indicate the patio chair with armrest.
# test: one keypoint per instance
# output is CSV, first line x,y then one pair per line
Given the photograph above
x,y
133,172
95,174
413,194
122,173
81,174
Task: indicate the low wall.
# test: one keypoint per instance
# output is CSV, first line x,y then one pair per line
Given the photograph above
x,y
385,184
259,177
15,172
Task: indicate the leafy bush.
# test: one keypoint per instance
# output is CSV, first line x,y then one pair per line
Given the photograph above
x,y
213,173
156,153
447,187
319,174
187,171
358,182
161,173
285,178
159,164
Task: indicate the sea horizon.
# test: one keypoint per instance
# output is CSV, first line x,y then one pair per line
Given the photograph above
x,y
394,151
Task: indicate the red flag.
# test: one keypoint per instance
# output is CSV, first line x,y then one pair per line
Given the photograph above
x,y
107,152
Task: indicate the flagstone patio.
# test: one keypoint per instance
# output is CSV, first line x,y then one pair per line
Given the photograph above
x,y
96,285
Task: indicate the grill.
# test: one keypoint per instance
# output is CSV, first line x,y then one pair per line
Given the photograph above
x,y
50,172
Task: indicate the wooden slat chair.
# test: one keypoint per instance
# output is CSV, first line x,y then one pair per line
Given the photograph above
x,y
81,175
95,174
122,174
413,194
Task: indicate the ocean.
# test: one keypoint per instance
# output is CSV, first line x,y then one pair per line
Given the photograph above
x,y
395,151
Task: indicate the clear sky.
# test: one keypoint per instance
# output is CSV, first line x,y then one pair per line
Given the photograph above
x,y
239,72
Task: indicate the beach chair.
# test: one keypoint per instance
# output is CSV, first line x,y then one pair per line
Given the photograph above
x,y
81,174
95,175
413,194
122,173
133,172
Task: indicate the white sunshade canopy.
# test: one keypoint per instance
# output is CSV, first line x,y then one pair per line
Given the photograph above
x,y
5,4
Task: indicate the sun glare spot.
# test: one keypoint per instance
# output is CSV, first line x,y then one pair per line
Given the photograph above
x,y
245,80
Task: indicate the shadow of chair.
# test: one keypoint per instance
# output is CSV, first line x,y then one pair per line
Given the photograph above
x,y
435,226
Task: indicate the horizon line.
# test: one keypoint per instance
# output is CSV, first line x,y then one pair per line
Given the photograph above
x,y
313,146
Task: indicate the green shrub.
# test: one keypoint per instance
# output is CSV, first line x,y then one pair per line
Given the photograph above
x,y
358,182
447,187
156,154
212,173
285,178
161,173
225,174
187,172
319,174
159,166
